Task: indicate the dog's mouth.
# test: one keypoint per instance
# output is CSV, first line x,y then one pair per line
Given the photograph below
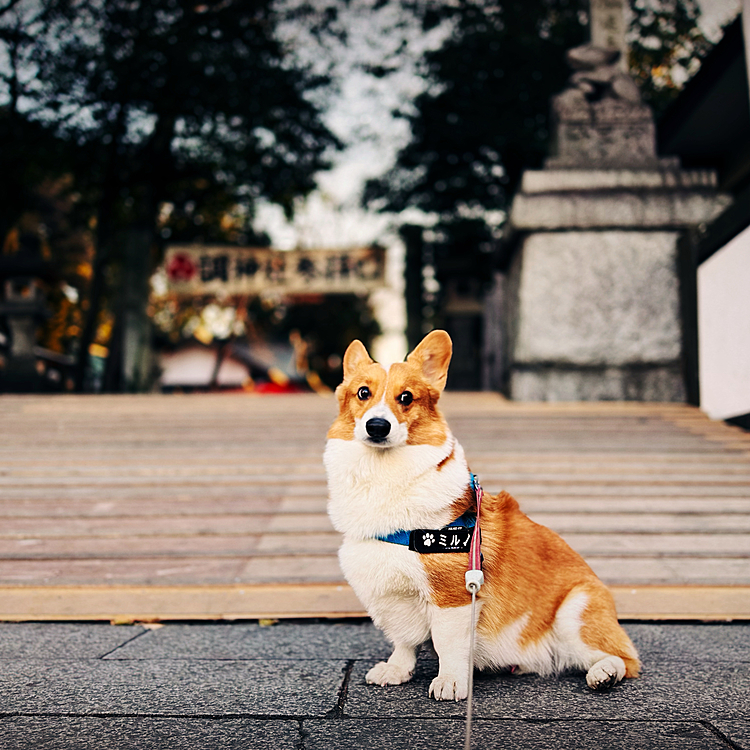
x,y
382,442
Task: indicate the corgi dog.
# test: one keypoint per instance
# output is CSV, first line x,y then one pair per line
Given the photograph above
x,y
395,473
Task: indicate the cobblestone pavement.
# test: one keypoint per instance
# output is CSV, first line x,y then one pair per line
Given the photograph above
x,y
301,685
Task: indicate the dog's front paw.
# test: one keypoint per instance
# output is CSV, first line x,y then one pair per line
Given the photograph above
x,y
606,673
388,674
449,688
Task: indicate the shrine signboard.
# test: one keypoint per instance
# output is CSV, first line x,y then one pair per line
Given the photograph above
x,y
200,269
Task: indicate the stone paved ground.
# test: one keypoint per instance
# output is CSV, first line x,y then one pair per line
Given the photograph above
x,y
300,685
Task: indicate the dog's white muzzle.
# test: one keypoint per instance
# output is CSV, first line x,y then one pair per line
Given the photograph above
x,y
379,428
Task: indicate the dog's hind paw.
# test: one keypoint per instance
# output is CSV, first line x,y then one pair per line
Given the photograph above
x,y
388,674
606,673
449,688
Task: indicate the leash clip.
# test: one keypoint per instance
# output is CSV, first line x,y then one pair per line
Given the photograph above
x,y
474,580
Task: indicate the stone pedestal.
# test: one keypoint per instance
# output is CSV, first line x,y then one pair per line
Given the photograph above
x,y
22,309
593,291
592,296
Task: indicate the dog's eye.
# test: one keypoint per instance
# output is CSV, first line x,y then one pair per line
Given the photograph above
x,y
405,398
363,393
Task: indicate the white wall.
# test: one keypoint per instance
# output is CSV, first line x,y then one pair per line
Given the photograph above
x,y
724,330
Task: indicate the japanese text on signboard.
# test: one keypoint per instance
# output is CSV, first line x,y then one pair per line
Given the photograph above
x,y
195,269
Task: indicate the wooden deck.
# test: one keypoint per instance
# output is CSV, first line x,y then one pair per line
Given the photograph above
x,y
213,506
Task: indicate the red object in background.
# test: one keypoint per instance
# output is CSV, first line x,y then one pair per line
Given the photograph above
x,y
274,388
181,268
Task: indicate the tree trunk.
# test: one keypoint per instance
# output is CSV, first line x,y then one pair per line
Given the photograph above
x,y
137,359
412,237
130,366
105,238
137,362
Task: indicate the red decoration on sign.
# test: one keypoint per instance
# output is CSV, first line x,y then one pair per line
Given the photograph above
x,y
181,267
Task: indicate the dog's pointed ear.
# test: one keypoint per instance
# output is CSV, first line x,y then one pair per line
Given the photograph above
x,y
355,356
432,356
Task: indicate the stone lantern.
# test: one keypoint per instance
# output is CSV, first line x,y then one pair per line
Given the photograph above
x,y
22,308
592,302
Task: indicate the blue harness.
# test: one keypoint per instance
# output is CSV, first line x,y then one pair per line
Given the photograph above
x,y
467,520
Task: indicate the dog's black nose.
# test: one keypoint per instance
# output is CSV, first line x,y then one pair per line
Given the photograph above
x,y
378,428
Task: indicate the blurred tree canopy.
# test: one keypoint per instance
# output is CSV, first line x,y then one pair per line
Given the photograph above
x,y
666,46
155,102
486,116
31,153
127,123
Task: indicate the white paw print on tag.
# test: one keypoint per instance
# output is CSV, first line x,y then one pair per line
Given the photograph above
x,y
427,539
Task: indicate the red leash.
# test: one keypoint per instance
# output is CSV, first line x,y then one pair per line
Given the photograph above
x,y
474,580
475,552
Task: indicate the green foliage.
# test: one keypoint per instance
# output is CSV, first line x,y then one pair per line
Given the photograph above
x,y
665,48
29,151
35,155
177,93
485,118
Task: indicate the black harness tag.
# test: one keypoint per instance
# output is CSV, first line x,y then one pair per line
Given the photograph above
x,y
447,539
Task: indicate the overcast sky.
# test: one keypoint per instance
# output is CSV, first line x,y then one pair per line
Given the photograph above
x,y
358,109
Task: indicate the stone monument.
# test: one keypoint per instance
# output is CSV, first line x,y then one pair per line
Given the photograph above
x,y
21,309
592,295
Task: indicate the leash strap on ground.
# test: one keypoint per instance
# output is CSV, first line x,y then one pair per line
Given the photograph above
x,y
470,696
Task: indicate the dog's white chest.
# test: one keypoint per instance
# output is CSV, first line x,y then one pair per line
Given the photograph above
x,y
376,492
373,493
